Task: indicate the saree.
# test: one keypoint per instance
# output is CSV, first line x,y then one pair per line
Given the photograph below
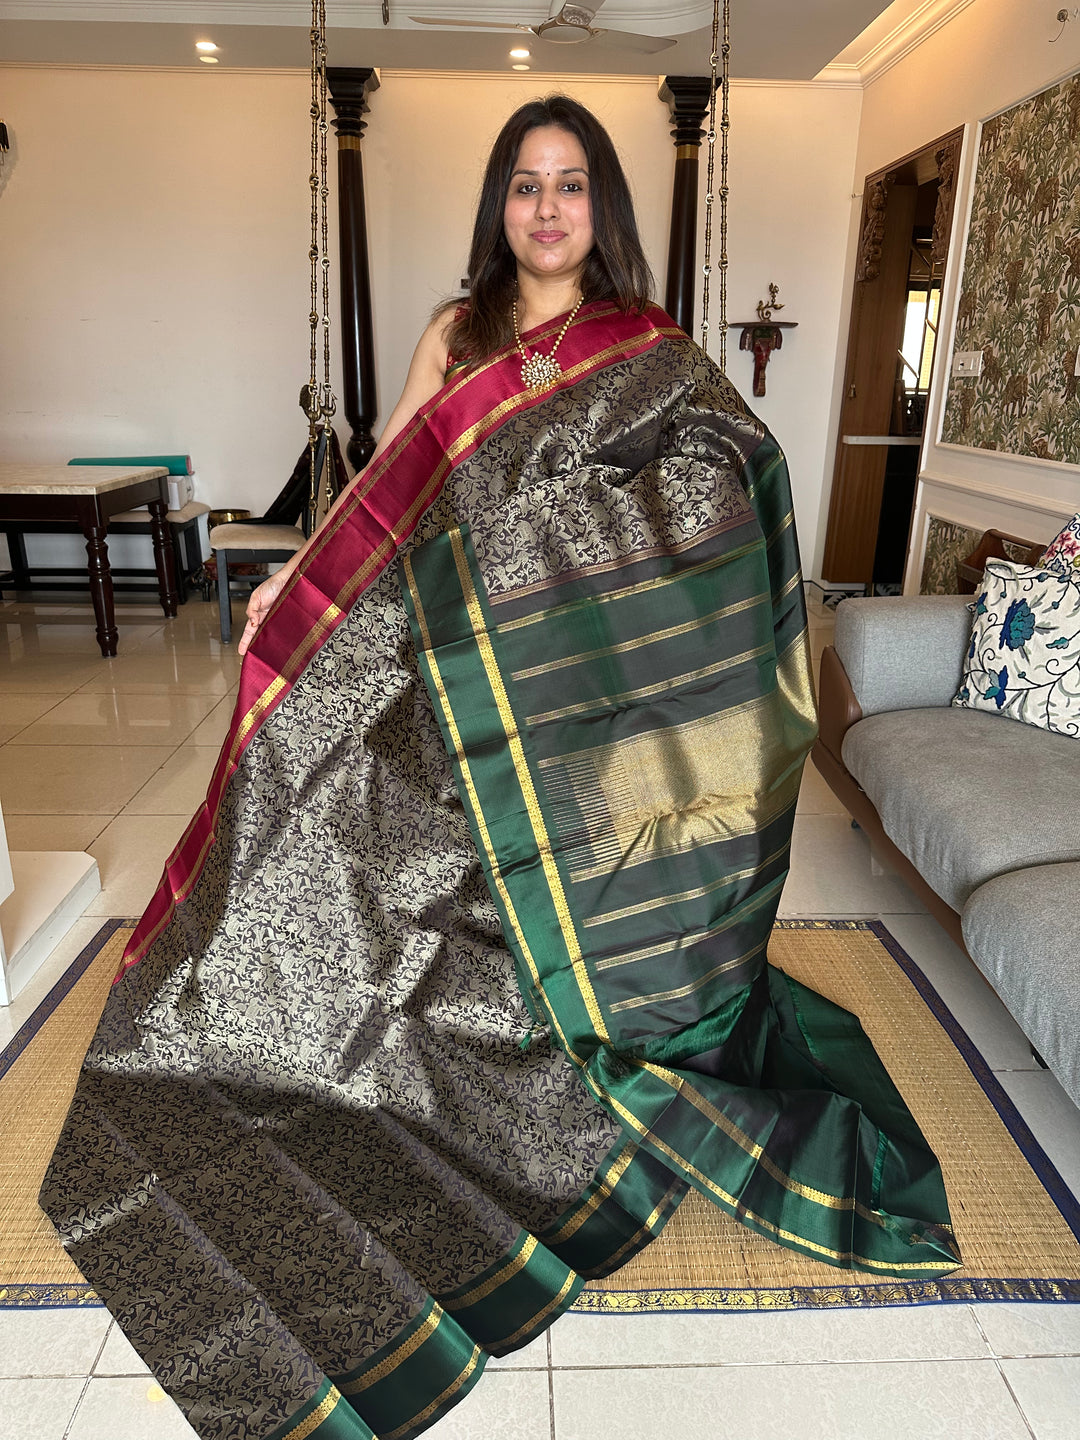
x,y
458,980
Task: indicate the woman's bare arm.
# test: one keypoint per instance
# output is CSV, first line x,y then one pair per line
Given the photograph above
x,y
425,379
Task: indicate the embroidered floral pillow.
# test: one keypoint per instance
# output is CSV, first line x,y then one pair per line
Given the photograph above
x,y
1024,656
1063,552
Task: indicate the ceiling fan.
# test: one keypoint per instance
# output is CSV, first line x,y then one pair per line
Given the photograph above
x,y
566,25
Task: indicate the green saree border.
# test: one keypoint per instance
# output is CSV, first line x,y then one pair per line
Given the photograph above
x,y
658,1105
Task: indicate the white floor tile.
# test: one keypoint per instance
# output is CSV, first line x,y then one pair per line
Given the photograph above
x,y
831,874
1048,1392
128,1409
1019,1330
953,1400
960,984
793,1337
503,1405
119,1357
51,1342
1053,1118
38,1409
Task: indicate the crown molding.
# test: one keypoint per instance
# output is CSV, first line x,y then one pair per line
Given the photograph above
x,y
905,37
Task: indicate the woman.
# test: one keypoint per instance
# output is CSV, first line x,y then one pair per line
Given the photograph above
x,y
457,982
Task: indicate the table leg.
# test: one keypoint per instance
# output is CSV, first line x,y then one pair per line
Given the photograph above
x,y
164,557
101,591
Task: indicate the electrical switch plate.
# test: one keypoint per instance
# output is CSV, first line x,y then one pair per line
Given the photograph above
x,y
967,362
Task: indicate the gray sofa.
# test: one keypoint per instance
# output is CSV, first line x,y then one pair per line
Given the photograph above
x,y
978,813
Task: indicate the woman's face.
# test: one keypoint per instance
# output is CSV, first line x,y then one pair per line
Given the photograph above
x,y
548,212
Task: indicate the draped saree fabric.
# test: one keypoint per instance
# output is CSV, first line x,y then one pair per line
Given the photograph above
x,y
458,981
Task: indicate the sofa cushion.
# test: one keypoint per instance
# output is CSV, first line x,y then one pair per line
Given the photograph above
x,y
966,795
1023,659
1063,552
1023,932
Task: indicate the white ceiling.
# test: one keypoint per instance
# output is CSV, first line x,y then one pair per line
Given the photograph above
x,y
774,39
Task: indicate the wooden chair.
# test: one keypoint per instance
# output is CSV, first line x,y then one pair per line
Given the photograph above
x,y
991,546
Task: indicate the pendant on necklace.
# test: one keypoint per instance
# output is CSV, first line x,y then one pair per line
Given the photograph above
x,y
540,372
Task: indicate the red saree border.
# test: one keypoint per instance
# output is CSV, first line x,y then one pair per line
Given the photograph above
x,y
383,509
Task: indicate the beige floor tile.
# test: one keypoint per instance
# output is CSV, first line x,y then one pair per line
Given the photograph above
x,y
171,672
179,787
37,1409
903,1400
832,874
51,674
18,711
215,727
53,832
1048,1392
75,779
95,718
131,853
51,1342
793,1337
128,1409
28,636
1052,1116
815,797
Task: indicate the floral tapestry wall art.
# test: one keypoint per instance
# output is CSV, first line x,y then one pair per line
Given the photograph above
x,y
1020,300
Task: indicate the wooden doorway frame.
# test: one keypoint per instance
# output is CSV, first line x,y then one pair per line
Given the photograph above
x,y
874,338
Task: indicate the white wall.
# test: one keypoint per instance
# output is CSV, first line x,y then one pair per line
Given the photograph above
x,y
153,251
990,56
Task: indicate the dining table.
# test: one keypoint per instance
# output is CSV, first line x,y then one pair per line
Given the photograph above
x,y
59,497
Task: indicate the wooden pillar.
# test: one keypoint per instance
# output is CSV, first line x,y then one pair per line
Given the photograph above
x,y
349,89
687,99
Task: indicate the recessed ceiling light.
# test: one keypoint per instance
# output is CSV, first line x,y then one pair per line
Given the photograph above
x,y
205,45
520,67
209,59
519,54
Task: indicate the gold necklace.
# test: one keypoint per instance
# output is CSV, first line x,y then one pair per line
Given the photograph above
x,y
540,372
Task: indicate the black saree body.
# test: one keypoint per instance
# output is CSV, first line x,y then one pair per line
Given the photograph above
x,y
458,980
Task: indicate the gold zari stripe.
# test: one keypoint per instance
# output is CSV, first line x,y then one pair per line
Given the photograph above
x,y
506,1272
624,647
532,804
698,893
321,1412
429,1410
481,822
399,1354
584,706
616,1170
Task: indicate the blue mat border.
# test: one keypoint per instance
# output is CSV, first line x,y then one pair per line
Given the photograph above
x,y
701,1300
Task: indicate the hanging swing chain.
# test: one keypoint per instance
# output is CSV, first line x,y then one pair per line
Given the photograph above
x,y
719,58
321,404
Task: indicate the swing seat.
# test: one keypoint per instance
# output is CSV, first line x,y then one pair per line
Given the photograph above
x,y
248,544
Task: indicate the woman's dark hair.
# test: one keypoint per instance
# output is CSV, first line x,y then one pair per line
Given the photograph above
x,y
616,268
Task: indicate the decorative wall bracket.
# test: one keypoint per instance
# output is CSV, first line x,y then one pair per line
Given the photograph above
x,y
763,335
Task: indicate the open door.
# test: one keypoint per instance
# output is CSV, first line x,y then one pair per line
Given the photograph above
x,y
903,242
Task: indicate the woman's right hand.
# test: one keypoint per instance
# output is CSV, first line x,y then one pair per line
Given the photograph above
x,y
260,602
